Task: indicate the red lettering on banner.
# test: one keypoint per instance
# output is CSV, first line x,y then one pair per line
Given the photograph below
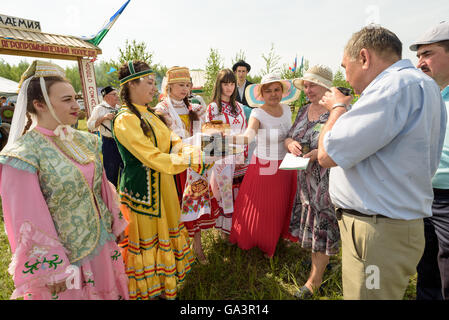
x,y
28,46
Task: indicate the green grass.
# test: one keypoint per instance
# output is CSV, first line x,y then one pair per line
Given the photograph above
x,y
6,283
233,274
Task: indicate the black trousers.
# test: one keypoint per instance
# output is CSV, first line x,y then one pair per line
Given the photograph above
x,y
433,269
112,160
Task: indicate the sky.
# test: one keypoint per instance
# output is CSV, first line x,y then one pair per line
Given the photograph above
x,y
182,32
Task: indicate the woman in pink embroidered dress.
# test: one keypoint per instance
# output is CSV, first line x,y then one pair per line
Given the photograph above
x,y
227,174
46,175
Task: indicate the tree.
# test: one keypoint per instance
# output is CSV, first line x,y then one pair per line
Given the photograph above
x,y
73,75
132,51
287,73
135,51
340,80
214,65
271,62
238,56
13,73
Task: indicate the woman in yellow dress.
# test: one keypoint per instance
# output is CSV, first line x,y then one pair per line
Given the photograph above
x,y
157,250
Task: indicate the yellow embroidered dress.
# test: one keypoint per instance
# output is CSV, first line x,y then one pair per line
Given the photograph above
x,y
157,251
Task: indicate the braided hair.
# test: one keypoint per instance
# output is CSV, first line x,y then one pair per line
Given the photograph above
x,y
125,93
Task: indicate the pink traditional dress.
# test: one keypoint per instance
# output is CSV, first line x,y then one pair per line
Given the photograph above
x,y
227,174
62,218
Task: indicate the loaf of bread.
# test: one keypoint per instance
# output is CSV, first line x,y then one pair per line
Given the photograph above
x,y
212,141
215,126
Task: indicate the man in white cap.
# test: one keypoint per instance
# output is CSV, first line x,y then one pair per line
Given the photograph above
x,y
433,269
383,154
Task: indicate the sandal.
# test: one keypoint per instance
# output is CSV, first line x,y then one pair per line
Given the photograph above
x,y
303,293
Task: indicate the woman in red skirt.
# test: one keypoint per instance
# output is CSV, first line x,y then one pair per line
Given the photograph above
x,y
263,205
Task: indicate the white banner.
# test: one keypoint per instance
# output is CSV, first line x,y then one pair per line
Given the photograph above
x,y
88,82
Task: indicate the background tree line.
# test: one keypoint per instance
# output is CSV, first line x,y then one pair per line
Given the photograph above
x,y
107,71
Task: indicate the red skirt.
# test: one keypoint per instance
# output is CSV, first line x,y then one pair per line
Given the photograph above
x,y
205,222
181,180
263,207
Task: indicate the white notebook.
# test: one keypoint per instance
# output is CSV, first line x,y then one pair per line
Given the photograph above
x,y
292,162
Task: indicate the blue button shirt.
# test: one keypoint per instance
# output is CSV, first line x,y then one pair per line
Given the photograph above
x,y
441,178
388,146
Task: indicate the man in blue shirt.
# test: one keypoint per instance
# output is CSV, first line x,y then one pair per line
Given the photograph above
x,y
433,269
383,153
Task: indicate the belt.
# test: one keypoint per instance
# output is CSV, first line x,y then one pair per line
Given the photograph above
x,y
441,192
339,213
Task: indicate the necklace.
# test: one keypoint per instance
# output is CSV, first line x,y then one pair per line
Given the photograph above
x,y
178,103
75,150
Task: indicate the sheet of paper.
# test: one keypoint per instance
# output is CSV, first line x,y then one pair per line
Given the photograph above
x,y
292,162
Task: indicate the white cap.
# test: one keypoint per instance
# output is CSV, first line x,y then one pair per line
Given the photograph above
x,y
436,34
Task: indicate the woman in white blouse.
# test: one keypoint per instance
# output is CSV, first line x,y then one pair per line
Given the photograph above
x,y
264,201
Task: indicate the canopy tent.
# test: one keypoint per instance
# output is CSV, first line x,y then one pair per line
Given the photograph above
x,y
8,87
33,43
20,37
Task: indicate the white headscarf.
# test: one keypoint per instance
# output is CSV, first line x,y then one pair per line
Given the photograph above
x,y
38,69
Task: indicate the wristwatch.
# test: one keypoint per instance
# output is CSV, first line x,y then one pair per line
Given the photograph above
x,y
338,105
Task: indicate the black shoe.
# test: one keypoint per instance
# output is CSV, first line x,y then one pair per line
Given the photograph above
x,y
303,293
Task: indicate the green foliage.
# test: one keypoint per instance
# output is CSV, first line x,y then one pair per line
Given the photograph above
x,y
135,51
73,75
340,80
11,72
214,65
102,75
254,79
286,73
6,283
238,56
271,62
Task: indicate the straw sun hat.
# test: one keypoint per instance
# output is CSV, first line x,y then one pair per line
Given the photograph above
x,y
319,74
254,95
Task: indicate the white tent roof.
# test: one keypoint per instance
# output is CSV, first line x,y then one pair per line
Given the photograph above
x,y
8,87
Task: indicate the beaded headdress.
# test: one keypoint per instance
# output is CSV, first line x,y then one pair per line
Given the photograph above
x,y
41,70
134,75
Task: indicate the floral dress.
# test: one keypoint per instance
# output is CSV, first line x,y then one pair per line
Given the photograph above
x,y
44,193
228,173
313,222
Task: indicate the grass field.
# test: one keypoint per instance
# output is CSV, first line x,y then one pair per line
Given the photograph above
x,y
234,274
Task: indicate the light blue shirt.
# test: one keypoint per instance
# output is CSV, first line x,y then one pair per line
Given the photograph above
x,y
441,178
388,146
